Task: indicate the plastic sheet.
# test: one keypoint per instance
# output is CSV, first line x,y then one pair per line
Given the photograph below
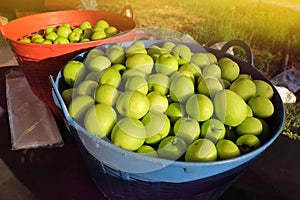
x,y
287,83
289,78
31,121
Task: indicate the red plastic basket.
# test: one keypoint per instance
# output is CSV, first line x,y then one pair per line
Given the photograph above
x,y
38,61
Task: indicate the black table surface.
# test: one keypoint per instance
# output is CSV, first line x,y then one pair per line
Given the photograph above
x,y
61,173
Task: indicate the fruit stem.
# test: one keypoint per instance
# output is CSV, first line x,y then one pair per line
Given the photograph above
x,y
188,118
174,141
216,129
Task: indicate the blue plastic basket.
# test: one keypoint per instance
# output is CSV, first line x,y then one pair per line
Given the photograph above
x,y
121,174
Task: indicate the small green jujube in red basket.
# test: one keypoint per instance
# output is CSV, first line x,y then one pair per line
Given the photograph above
x,y
67,33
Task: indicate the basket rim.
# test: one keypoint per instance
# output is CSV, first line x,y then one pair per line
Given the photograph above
x,y
11,24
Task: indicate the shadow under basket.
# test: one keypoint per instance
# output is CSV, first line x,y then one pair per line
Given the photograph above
x,y
38,61
125,175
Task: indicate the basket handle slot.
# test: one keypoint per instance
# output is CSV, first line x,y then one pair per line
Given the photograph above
x,y
3,21
243,45
127,11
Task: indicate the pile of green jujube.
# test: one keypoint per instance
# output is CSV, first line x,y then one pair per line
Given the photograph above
x,y
66,33
168,102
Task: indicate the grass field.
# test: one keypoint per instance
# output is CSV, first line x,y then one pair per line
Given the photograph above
x,y
271,30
